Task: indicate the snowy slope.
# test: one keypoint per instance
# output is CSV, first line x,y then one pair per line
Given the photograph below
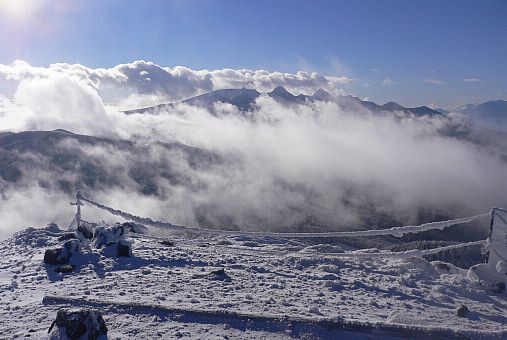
x,y
270,288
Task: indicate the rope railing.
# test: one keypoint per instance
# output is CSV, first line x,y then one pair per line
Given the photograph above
x,y
394,231
368,254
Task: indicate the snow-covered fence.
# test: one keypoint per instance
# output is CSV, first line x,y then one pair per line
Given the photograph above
x,y
492,275
394,231
496,244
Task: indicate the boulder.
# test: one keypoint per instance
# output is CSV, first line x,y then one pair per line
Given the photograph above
x,y
86,230
103,236
462,311
219,271
124,249
112,241
121,248
220,275
78,323
491,278
167,243
134,228
55,256
62,255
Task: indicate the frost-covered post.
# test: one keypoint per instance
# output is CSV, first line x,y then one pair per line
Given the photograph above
x,y
492,275
497,241
78,205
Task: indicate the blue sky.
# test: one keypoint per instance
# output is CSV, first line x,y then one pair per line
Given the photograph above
x,y
413,52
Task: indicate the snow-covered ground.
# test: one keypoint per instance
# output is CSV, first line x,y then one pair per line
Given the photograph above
x,y
269,288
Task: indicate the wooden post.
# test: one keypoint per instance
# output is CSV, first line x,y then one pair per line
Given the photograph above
x,y
78,205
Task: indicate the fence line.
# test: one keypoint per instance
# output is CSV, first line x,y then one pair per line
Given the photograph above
x,y
394,231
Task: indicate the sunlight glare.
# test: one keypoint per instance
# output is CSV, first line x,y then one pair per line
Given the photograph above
x,y
19,9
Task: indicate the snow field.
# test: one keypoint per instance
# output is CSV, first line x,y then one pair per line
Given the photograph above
x,y
408,293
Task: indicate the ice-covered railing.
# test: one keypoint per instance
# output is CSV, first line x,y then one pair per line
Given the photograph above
x,y
394,231
496,244
368,254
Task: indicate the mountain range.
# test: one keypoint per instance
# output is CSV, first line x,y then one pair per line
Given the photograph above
x,y
245,100
491,114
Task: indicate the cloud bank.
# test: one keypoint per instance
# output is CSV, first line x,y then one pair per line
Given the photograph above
x,y
279,165
141,79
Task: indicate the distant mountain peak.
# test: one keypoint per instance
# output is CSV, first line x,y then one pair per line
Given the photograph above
x,y
323,95
281,91
63,131
393,106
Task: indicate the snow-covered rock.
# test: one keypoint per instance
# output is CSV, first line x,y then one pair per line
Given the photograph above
x,y
462,311
112,240
62,255
488,277
78,323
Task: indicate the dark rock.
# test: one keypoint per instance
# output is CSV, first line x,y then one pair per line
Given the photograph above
x,y
79,323
220,275
53,227
499,287
66,268
86,231
134,228
62,255
72,247
167,243
220,271
54,256
124,249
462,311
121,248
442,265
67,236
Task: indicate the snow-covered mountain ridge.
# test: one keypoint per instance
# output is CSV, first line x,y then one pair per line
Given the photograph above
x,y
244,99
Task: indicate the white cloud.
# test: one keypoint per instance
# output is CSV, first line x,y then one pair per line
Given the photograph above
x,y
472,80
388,82
434,81
60,100
176,83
